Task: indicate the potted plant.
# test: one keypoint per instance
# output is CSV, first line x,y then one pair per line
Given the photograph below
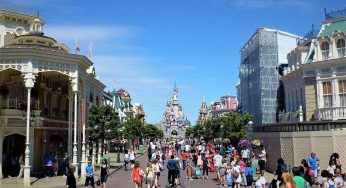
x,y
244,144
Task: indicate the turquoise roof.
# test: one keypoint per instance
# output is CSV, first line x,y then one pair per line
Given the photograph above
x,y
328,30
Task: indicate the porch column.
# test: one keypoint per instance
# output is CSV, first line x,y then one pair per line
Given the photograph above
x,y
83,161
335,98
74,83
99,152
319,94
94,152
29,79
1,148
69,147
75,133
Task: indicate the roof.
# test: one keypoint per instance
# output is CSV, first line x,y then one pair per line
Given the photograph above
x,y
330,28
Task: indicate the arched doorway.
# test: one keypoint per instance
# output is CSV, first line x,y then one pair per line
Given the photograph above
x,y
13,147
174,133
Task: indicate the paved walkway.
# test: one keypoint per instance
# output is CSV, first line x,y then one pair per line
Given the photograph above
x,y
59,181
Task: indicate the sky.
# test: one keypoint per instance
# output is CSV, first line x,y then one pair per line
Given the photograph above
x,y
148,45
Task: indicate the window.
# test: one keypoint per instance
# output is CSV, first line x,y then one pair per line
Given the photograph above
x,y
327,94
325,50
342,92
340,45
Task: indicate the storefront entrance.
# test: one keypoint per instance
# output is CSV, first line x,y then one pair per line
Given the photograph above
x,y
13,147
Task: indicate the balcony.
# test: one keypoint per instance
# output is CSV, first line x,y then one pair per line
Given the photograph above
x,y
20,104
331,113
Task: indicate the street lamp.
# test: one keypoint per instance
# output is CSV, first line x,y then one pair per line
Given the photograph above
x,y
250,123
120,130
221,143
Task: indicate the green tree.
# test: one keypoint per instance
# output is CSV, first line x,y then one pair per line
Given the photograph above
x,y
133,130
103,122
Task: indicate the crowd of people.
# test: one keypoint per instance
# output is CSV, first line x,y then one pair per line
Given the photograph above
x,y
233,167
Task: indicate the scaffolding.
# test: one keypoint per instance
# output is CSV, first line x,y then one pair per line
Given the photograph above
x,y
259,77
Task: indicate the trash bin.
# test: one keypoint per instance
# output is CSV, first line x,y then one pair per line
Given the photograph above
x,y
141,149
108,159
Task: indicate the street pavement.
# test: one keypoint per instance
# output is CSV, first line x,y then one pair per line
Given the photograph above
x,y
119,178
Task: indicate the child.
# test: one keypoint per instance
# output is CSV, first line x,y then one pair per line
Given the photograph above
x,y
229,178
188,170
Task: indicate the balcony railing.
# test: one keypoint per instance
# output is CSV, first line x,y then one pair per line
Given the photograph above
x,y
20,104
331,113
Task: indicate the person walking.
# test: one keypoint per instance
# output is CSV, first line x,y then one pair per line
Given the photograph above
x,y
126,160
71,180
217,163
287,181
184,157
280,169
150,175
205,166
21,163
89,175
172,168
261,181
137,175
132,158
298,179
313,163
104,173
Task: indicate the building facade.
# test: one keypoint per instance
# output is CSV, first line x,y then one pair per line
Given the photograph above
x,y
261,58
174,122
45,93
317,82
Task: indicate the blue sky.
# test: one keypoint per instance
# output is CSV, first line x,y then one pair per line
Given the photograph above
x,y
147,45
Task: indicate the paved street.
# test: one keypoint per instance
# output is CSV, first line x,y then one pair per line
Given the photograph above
x,y
122,179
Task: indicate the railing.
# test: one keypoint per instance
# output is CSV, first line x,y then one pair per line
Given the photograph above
x,y
20,104
301,126
331,113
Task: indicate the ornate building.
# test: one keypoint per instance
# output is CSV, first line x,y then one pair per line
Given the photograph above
x,y
44,93
174,121
315,84
203,113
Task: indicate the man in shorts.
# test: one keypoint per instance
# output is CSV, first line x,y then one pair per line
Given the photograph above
x,y
313,163
89,174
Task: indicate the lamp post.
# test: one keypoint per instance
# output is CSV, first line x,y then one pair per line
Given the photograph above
x,y
221,143
250,123
120,130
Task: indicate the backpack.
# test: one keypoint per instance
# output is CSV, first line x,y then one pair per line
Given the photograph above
x,y
284,168
150,173
330,185
229,179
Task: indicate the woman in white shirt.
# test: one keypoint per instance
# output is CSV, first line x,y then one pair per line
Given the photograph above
x,y
132,158
261,181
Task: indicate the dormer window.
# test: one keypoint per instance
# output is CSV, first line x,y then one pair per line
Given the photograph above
x,y
340,45
325,50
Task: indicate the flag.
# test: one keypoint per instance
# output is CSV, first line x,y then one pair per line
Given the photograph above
x,y
113,81
90,50
77,48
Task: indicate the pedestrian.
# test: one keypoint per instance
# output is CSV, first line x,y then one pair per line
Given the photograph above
x,y
47,160
104,173
184,157
245,153
338,180
217,163
298,179
236,172
329,183
280,169
89,175
21,163
71,180
150,175
262,159
137,175
313,162
156,167
188,170
66,163
323,179
205,166
261,181
55,165
126,159
177,173
149,152
172,168
132,158
287,181
222,172
229,177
